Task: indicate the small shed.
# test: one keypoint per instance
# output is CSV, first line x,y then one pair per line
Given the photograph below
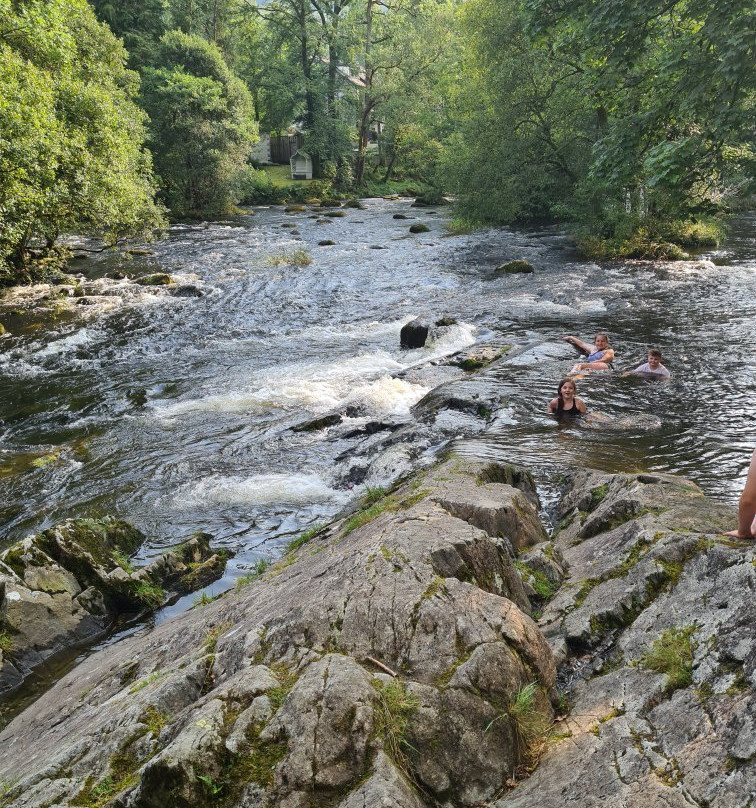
x,y
301,166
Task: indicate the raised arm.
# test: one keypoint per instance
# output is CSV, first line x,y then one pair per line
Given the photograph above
x,y
584,347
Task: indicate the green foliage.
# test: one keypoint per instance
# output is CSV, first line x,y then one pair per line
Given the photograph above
x,y
154,720
71,156
122,560
260,567
672,654
544,588
201,125
618,117
295,258
6,643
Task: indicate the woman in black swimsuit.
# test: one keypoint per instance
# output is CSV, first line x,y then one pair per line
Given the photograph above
x,y
567,402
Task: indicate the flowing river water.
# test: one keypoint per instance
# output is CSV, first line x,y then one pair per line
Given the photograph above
x,y
175,413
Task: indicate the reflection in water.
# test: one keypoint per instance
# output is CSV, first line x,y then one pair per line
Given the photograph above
x,y
175,412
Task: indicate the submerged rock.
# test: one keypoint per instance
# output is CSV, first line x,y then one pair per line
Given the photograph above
x,y
157,279
515,267
321,422
187,290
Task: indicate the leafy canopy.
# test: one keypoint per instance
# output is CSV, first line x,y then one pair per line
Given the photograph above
x,y
71,156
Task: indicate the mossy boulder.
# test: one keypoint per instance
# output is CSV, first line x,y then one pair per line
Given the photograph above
x,y
516,267
419,228
68,584
295,209
335,214
653,250
157,279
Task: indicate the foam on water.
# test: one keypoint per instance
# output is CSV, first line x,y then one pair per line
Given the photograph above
x,y
262,489
62,346
389,396
319,388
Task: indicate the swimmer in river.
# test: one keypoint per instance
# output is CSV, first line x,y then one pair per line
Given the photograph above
x,y
567,402
598,356
651,369
747,506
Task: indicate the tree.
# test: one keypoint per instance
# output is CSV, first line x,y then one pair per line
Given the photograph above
x,y
201,127
71,155
677,82
526,121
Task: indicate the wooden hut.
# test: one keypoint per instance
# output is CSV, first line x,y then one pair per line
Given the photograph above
x,y
301,166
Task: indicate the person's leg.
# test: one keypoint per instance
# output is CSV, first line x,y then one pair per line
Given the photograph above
x,y
747,505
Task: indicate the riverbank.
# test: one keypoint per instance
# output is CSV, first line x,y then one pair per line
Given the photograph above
x,y
395,656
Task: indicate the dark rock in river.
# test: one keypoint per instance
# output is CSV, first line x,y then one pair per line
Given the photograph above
x,y
187,290
515,267
445,321
419,228
326,242
400,216
335,214
318,423
66,585
414,334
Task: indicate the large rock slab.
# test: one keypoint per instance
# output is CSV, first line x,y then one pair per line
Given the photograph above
x,y
380,665
654,626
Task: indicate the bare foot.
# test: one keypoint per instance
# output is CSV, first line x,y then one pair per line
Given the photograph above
x,y
736,535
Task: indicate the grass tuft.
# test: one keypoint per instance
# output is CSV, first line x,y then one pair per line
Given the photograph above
x,y
672,654
295,258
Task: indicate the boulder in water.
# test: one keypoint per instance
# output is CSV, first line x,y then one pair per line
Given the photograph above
x,y
399,216
419,228
187,290
413,334
156,279
314,424
516,267
326,242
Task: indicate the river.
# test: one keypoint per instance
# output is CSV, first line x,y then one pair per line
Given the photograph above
x,y
175,413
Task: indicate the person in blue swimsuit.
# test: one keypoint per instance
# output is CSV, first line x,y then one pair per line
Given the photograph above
x,y
598,356
567,402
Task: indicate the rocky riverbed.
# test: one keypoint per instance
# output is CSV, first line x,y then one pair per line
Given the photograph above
x,y
434,648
